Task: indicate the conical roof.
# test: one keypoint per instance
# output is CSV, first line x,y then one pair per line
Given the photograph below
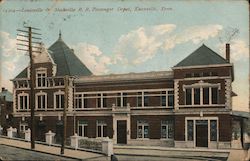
x,y
66,60
202,56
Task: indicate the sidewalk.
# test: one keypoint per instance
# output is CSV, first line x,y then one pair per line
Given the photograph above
x,y
222,154
75,154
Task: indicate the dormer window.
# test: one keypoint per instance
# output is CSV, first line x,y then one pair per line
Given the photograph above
x,y
41,75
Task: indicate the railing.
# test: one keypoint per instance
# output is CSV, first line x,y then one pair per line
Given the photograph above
x,y
95,145
24,83
90,143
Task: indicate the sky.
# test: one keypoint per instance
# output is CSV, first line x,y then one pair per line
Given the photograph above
x,y
130,36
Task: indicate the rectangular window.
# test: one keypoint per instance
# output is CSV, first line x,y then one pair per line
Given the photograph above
x,y
196,96
125,99
41,79
104,100
78,101
146,99
102,129
118,100
23,102
41,102
142,129
188,96
167,129
139,99
170,98
23,127
196,74
83,128
206,96
99,101
163,98
190,130
85,101
215,95
205,74
59,101
213,130
214,74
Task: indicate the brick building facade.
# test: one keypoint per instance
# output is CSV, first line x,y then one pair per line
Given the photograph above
x,y
188,106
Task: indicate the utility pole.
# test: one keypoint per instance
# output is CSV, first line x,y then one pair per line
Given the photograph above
x,y
66,85
28,36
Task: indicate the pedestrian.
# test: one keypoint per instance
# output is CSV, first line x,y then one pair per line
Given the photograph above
x,y
246,137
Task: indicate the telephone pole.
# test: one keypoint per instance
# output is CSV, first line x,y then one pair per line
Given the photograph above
x,y
27,42
66,85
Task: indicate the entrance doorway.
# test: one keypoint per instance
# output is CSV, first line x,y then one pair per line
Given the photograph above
x,y
201,133
121,132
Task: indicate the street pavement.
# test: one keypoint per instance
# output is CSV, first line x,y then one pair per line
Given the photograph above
x,y
169,154
13,153
9,150
71,153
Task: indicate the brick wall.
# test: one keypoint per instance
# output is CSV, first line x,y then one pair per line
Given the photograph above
x,y
154,125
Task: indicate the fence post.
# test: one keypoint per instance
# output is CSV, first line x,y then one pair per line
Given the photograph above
x,y
50,137
74,141
27,134
107,146
10,132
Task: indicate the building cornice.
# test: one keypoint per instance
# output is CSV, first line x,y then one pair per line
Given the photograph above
x,y
203,66
126,77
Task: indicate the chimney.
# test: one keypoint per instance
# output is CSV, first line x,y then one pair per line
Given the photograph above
x,y
228,53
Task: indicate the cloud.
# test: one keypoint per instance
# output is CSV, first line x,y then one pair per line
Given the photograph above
x,y
142,44
238,50
7,44
10,59
92,57
195,34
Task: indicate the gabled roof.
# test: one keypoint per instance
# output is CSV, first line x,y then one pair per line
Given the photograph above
x,y
65,59
202,56
8,96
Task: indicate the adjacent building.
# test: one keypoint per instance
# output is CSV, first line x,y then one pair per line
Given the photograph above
x,y
6,109
188,106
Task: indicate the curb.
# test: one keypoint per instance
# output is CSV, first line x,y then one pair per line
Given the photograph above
x,y
170,156
174,149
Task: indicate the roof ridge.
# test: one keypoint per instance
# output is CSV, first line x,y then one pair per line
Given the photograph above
x,y
215,53
66,60
202,56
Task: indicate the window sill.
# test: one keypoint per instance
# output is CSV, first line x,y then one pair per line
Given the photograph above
x,y
213,105
153,107
164,139
142,139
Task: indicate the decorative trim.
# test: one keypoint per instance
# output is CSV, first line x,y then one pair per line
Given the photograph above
x,y
200,84
194,119
203,66
176,94
228,91
129,76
